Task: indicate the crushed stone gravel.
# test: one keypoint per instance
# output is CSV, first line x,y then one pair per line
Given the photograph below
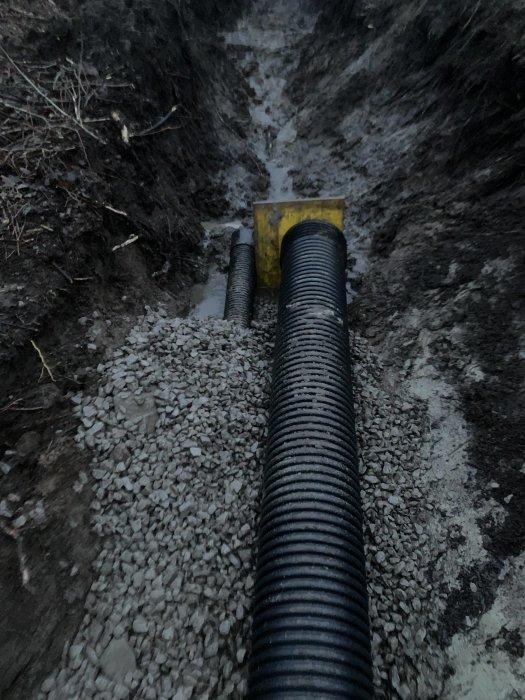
x,y
403,531
177,431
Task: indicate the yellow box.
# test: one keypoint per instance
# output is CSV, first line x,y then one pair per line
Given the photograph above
x,y
274,219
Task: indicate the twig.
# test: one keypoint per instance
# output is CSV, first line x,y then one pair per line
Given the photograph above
x,y
63,273
8,405
22,559
13,325
79,80
158,131
49,100
18,229
126,134
157,124
28,14
130,240
11,407
28,408
45,366
94,203
15,108
96,120
115,211
471,16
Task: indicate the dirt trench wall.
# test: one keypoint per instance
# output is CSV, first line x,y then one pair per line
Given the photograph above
x,y
74,186
425,102
422,104
119,69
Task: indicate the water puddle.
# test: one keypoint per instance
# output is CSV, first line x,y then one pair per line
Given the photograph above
x,y
216,228
207,300
270,42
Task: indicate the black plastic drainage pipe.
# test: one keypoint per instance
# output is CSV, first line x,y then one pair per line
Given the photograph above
x,y
311,634
240,291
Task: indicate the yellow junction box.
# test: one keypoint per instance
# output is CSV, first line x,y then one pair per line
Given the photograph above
x,y
274,219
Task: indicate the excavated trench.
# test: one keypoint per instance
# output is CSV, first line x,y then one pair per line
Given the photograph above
x,y
145,586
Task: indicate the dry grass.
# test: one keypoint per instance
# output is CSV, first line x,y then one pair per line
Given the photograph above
x,y
51,115
45,111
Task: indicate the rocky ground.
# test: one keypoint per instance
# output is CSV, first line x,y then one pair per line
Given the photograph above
x,y
130,442
177,427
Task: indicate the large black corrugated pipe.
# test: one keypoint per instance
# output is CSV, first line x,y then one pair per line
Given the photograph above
x,y
240,291
311,635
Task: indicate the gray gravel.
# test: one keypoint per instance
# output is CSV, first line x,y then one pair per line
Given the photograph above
x,y
401,547
176,429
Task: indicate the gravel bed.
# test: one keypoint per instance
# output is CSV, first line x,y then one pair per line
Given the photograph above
x,y
176,430
404,534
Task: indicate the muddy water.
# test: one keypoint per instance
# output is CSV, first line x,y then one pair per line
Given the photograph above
x,y
207,299
270,36
267,41
267,45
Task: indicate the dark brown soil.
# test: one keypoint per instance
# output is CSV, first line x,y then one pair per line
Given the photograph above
x,y
67,199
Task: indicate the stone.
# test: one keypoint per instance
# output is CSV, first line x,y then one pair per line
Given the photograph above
x,y
236,485
144,414
48,685
5,468
168,633
101,683
395,500
75,650
224,627
197,621
28,444
120,692
5,509
140,626
19,522
118,659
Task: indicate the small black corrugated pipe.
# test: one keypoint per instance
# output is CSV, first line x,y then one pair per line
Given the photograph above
x,y
311,633
240,291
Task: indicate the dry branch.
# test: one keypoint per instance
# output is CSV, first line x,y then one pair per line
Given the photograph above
x,y
126,133
129,241
50,100
45,366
